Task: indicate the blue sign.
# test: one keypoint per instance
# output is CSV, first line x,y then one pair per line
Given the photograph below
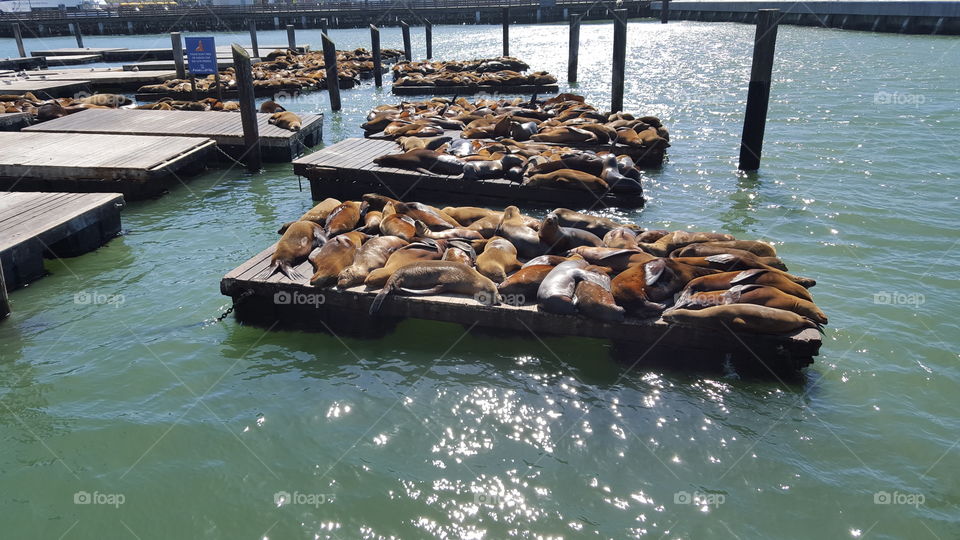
x,y
201,55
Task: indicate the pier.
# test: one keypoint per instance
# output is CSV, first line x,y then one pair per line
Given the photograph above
x,y
103,79
38,225
43,89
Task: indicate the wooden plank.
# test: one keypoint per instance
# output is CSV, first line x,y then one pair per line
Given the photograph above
x,y
43,89
73,60
73,51
104,78
470,90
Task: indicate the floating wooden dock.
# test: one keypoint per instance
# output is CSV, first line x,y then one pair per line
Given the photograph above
x,y
35,225
106,79
277,144
14,121
346,170
135,166
73,60
258,91
74,51
166,65
137,55
19,64
470,90
277,299
43,89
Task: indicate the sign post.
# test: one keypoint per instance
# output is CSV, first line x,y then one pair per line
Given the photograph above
x,y
202,60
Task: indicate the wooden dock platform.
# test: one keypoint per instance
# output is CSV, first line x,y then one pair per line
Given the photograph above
x,y
525,89
136,166
74,51
19,64
258,91
14,121
278,300
165,65
38,225
103,79
346,170
73,60
137,55
277,144
43,89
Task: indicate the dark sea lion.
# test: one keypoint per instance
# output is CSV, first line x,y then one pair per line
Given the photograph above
x,y
271,107
651,235
707,249
760,249
621,238
677,239
328,261
378,202
343,218
556,291
526,281
372,254
562,239
564,134
432,217
727,263
597,302
286,120
498,259
437,277
567,178
423,160
551,260
599,226
742,317
398,225
293,247
411,253
641,288
486,226
726,280
617,259
752,294
460,252
512,226
423,231
482,170
619,183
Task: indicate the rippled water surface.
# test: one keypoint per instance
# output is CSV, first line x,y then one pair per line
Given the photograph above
x,y
195,426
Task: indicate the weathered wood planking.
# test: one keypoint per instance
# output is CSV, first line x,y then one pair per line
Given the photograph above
x,y
34,225
278,144
277,299
346,169
14,121
43,89
73,60
135,166
106,79
137,55
73,51
470,90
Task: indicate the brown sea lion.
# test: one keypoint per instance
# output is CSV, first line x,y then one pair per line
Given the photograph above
x,y
707,249
526,281
465,215
432,217
596,301
551,260
617,259
622,238
640,289
513,227
559,239
752,294
286,120
447,234
414,252
423,160
372,254
726,280
378,202
460,252
271,107
498,259
371,221
343,218
317,214
567,178
293,247
438,277
742,317
760,249
330,259
728,263
597,225
556,291
651,236
398,225
677,239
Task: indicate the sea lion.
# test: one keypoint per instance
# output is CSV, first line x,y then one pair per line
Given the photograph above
x,y
526,281
564,178
372,254
271,107
423,231
651,236
621,238
498,259
726,280
432,217
562,239
551,260
286,120
742,317
330,259
423,160
106,100
557,289
599,226
398,225
378,202
727,263
760,249
707,249
318,214
438,277
525,239
596,301
619,183
293,247
461,252
564,134
752,294
427,250
465,215
678,239
371,221
343,218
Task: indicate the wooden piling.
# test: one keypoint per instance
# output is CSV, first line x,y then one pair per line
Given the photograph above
x,y
377,61
177,43
77,34
19,38
333,80
253,39
574,48
506,31
619,58
248,111
407,50
291,38
664,11
428,29
758,94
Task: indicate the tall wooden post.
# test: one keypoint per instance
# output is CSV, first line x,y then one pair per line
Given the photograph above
x,y
19,38
333,78
407,50
77,34
506,31
377,61
758,94
573,54
619,58
291,38
664,11
253,39
428,29
177,44
248,109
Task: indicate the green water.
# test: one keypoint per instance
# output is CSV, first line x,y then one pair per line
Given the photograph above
x,y
428,433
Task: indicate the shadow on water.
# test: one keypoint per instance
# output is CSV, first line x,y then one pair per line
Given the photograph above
x,y
740,217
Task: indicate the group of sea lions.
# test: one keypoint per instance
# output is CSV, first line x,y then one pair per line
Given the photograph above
x,y
284,70
567,263
49,109
501,71
521,141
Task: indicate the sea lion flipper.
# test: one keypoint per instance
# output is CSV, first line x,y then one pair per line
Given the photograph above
x,y
747,276
654,270
284,227
722,258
